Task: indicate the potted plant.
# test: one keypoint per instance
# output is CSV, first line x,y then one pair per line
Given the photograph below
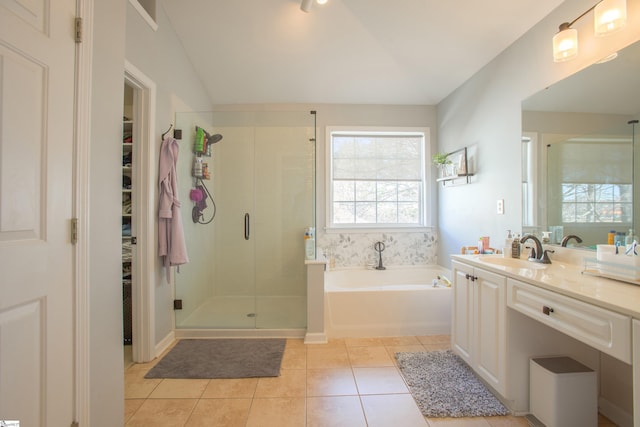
x,y
444,164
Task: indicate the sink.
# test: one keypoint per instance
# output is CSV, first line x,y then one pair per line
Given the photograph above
x,y
512,262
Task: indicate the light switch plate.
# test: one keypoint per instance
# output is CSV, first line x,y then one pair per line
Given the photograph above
x,y
500,207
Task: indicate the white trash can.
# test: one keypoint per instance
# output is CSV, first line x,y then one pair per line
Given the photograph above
x,y
563,392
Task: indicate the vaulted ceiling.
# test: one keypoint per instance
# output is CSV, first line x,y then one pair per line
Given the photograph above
x,y
413,52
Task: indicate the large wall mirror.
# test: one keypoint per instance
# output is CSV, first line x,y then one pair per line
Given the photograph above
x,y
580,153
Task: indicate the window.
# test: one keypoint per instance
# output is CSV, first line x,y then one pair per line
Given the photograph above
x,y
592,178
377,178
590,203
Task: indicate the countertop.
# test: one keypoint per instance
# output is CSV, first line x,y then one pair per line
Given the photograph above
x,y
563,278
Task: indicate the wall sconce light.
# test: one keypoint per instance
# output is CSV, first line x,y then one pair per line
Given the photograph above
x,y
609,16
305,6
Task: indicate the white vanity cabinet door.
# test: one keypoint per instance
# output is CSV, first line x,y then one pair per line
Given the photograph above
x,y
479,330
490,324
600,328
462,311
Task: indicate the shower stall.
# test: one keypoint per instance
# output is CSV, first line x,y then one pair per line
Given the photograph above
x,y
246,273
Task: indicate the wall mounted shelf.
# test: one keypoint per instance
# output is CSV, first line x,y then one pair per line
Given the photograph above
x,y
459,172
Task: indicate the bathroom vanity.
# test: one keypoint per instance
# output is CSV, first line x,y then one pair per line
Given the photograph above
x,y
506,311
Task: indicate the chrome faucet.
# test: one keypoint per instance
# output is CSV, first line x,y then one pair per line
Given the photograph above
x,y
537,253
566,239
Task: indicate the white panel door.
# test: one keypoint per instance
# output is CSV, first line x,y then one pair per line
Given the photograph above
x,y
36,257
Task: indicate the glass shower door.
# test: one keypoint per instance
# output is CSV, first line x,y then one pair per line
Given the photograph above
x,y
284,200
233,284
247,266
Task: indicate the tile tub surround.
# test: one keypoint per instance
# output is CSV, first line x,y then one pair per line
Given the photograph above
x,y
347,382
401,248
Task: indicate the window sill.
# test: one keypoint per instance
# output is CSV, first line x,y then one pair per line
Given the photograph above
x,y
363,230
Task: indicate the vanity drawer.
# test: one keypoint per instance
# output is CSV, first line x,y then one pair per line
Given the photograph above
x,y
601,329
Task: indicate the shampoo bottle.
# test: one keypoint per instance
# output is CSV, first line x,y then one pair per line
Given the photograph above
x,y
309,244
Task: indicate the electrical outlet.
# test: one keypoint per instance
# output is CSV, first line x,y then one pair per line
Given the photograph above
x,y
500,207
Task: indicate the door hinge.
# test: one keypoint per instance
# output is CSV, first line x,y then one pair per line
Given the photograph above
x,y
78,30
75,424
74,231
177,304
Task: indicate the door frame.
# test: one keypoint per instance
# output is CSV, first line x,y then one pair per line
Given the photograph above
x,y
143,281
80,182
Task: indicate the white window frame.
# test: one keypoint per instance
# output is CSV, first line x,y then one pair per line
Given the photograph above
x,y
426,209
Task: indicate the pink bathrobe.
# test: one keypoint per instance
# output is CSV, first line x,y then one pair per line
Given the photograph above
x,y
171,244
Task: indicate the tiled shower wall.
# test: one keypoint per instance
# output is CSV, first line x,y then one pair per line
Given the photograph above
x,y
401,248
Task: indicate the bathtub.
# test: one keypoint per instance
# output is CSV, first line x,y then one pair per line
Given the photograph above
x,y
398,301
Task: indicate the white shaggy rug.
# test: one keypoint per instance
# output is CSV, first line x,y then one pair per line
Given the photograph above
x,y
443,386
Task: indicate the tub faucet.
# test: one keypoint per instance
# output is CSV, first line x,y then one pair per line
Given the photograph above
x,y
537,253
566,239
379,247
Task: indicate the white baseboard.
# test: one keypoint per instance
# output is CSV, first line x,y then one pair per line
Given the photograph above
x,y
616,414
164,344
315,338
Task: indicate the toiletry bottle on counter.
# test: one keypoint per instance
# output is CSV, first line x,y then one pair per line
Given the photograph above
x,y
309,243
515,247
507,243
611,237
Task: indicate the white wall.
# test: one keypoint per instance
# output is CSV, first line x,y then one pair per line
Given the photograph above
x,y
485,112
160,56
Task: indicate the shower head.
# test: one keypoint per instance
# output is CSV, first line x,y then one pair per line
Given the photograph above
x,y
212,139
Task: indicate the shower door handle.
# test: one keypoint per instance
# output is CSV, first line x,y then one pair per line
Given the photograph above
x,y
246,226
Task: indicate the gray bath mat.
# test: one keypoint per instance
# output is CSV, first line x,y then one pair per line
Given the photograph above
x,y
221,358
443,386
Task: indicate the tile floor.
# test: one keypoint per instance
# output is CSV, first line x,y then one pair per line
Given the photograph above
x,y
345,383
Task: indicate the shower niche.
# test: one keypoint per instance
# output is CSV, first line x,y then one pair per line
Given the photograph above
x,y
246,269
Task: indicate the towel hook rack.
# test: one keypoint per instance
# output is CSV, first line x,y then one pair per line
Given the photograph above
x,y
170,127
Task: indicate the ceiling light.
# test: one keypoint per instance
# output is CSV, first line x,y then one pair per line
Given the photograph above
x,y
306,4
609,15
565,43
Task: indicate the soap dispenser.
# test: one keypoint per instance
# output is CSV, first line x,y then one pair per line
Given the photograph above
x,y
508,242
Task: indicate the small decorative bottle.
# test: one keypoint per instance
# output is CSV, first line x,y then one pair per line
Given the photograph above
x,y
515,247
